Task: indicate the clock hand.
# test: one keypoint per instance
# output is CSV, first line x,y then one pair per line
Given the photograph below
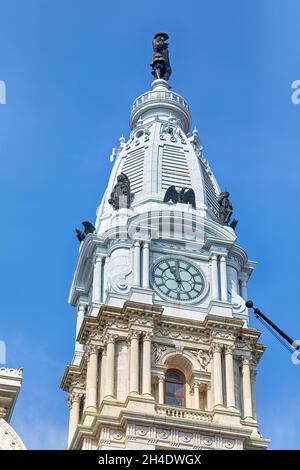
x,y
177,272
174,272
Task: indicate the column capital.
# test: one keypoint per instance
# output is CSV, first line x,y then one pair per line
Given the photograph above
x,y
229,348
98,258
74,397
81,307
136,243
147,336
110,338
195,385
216,347
134,334
92,349
243,277
245,360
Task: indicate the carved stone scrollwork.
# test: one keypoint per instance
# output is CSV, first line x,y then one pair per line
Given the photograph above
x,y
224,335
203,358
229,444
157,351
172,129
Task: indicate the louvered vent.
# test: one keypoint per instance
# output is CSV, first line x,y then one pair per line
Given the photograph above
x,y
175,169
134,168
211,194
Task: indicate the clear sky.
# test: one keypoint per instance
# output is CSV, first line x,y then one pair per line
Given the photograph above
x,y
72,70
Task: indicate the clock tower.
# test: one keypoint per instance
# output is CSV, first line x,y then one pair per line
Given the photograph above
x,y
164,355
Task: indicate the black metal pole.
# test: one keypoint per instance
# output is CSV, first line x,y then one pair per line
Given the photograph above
x,y
257,312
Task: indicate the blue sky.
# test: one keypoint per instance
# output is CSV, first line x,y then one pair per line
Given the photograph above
x,y
72,70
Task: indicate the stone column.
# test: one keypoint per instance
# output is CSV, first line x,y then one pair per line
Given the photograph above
x,y
97,281
223,275
161,390
110,366
229,373
106,277
134,362
91,378
196,396
103,375
208,397
147,364
253,373
247,395
243,284
136,264
214,277
217,371
74,405
80,317
146,259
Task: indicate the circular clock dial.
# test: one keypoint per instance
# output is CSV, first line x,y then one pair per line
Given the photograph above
x,y
178,279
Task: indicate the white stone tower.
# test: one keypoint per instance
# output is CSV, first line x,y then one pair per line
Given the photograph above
x,y
164,355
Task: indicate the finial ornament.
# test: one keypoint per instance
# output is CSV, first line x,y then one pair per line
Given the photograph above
x,y
161,68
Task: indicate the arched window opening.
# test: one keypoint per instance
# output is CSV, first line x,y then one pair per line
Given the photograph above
x,y
175,388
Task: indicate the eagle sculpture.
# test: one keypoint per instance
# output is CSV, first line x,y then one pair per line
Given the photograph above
x,y
185,196
88,228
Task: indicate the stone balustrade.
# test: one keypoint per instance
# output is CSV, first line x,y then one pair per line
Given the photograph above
x,y
183,413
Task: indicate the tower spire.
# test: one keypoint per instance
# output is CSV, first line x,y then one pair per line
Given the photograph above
x,y
160,63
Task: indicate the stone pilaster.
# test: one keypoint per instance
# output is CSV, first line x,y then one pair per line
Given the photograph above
x,y
229,373
97,279
247,392
74,406
136,264
146,264
147,363
223,278
214,277
110,365
134,362
216,349
91,377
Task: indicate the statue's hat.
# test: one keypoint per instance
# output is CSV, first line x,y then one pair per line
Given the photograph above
x,y
165,35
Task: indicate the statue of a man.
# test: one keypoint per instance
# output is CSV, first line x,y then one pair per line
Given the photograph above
x,y
225,208
121,197
161,68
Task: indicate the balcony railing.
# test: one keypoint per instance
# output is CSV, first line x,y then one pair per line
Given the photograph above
x,y
183,413
160,96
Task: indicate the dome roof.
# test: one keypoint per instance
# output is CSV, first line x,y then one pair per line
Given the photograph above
x,y
160,153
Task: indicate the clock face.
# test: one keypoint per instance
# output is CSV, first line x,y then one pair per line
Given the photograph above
x,y
178,279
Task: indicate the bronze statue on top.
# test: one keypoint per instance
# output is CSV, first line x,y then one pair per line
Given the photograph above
x,y
161,68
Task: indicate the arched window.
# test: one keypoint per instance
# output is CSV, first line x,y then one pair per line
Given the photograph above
x,y
175,388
